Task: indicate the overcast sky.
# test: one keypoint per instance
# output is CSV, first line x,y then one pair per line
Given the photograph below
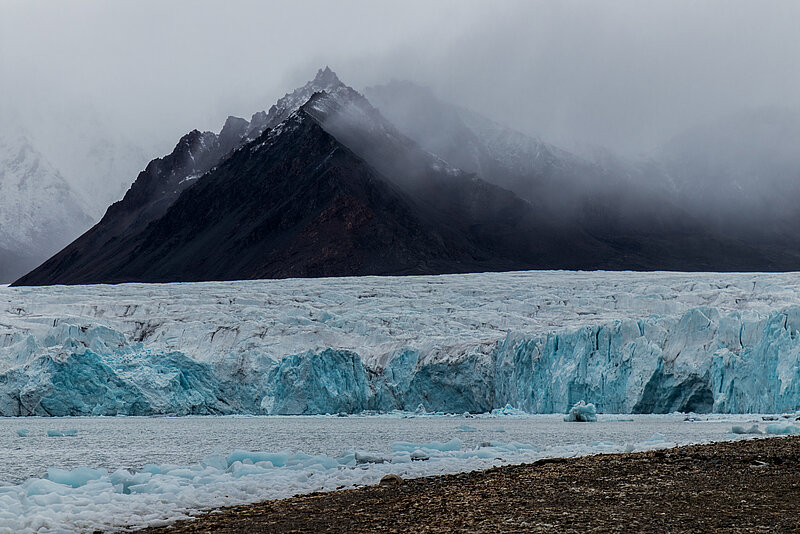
x,y
625,74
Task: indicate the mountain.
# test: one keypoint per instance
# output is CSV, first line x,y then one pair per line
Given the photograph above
x,y
323,184
39,211
317,193
610,199
96,156
719,197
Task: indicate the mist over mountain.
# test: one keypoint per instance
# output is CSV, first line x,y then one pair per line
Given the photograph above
x,y
715,187
303,199
322,184
39,211
741,172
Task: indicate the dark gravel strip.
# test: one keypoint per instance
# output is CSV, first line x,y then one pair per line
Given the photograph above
x,y
745,486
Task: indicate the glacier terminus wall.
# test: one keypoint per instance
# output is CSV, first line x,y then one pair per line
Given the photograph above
x,y
539,341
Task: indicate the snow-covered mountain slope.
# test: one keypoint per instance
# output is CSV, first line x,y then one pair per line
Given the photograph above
x,y
96,157
39,211
641,342
471,141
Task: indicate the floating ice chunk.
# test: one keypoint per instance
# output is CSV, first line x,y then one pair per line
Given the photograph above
x,y
22,432
62,433
278,459
657,438
77,477
783,429
216,460
507,410
452,445
466,428
367,458
499,429
742,430
582,412
401,458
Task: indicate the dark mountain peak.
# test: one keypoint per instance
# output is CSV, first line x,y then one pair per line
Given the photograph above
x,y
194,141
258,117
326,77
232,133
325,81
233,123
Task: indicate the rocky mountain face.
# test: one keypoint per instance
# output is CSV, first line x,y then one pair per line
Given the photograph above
x,y
325,184
610,200
39,211
718,197
304,199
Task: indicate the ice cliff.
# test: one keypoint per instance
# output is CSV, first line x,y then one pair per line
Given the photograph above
x,y
628,343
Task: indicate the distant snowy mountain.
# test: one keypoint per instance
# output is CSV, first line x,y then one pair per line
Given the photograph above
x,y
39,211
470,141
609,198
94,155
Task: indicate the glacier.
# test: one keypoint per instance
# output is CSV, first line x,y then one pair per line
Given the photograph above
x,y
533,341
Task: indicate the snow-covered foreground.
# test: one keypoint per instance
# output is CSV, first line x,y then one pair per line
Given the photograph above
x,y
540,341
133,472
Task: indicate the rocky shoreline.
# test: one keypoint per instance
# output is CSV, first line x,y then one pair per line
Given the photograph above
x,y
743,486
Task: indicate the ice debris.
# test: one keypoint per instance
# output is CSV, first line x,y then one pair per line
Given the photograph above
x,y
582,412
783,429
737,429
22,432
466,428
507,410
89,499
69,432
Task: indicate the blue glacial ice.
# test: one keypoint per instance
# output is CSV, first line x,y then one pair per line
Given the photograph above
x,y
783,429
582,412
532,342
753,429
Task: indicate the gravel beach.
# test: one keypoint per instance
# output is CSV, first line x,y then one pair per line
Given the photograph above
x,y
744,486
